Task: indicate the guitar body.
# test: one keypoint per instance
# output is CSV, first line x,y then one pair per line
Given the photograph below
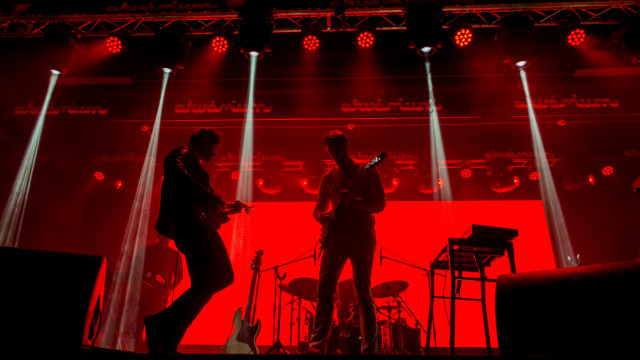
x,y
243,339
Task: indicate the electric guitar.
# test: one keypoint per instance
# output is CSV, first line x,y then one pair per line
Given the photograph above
x,y
327,227
213,215
243,339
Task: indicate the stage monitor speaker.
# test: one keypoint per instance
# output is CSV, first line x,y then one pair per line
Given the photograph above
x,y
585,310
49,300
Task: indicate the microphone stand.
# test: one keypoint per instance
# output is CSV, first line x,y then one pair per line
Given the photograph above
x,y
277,347
428,280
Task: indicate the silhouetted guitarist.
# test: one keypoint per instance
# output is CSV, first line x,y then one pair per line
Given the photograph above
x,y
190,214
351,235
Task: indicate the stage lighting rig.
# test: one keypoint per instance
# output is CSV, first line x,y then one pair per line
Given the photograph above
x,y
628,37
516,39
255,28
62,45
170,45
424,24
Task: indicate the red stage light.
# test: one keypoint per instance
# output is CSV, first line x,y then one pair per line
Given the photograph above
x,y
98,175
592,180
260,182
118,184
516,180
114,44
220,44
311,43
440,182
463,37
365,39
607,170
466,173
304,182
235,175
576,37
534,175
395,182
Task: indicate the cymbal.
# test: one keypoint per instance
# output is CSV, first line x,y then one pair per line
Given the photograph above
x,y
389,288
305,288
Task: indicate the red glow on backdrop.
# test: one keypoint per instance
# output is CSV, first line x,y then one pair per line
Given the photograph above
x,y
311,43
414,230
365,39
466,173
576,37
534,175
98,175
463,37
114,44
607,170
220,44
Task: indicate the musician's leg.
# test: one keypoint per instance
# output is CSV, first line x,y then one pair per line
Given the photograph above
x,y
331,265
362,263
210,271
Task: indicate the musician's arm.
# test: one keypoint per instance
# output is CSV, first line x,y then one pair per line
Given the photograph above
x,y
324,199
371,198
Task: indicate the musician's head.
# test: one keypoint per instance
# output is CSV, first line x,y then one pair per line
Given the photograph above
x,y
336,143
204,143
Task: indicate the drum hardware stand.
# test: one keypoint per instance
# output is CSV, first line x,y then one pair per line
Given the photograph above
x,y
277,347
428,273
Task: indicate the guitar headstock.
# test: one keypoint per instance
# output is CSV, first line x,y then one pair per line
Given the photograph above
x,y
257,260
376,160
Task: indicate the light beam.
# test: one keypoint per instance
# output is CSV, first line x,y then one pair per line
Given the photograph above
x,y
13,214
122,310
565,257
244,190
437,147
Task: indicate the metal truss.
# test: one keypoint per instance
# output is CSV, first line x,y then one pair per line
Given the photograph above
x,y
544,14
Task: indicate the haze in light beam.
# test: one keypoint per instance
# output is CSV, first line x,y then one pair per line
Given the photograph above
x,y
438,157
244,190
561,242
13,214
122,310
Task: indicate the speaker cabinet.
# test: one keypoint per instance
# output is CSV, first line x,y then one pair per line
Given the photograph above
x,y
584,310
49,300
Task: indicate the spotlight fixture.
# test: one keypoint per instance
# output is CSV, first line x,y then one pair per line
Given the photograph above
x,y
365,39
466,173
311,43
576,37
171,45
515,37
98,175
607,170
255,28
114,44
463,36
424,24
220,44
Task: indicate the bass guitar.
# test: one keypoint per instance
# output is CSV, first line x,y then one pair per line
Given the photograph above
x,y
243,339
327,227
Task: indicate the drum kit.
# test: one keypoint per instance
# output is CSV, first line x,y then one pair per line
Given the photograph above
x,y
395,336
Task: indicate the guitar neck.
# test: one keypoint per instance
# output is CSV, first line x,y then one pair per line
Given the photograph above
x,y
247,312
